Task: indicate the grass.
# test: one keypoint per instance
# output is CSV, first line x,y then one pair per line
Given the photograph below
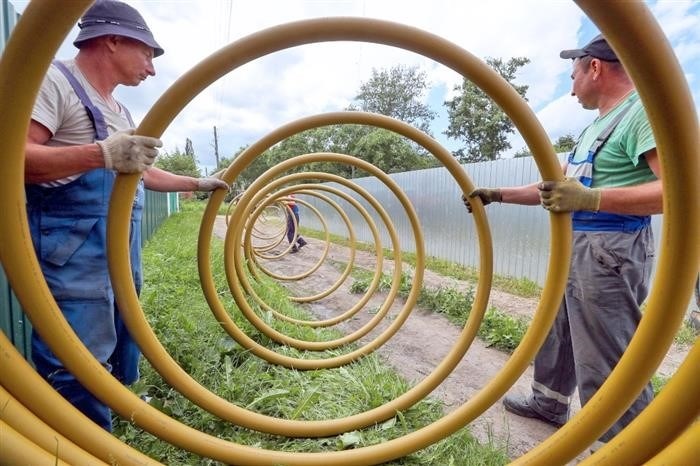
x,y
174,305
498,329
176,309
658,382
686,335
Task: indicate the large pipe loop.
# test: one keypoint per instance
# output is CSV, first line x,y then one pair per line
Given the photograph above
x,y
238,276
352,250
655,436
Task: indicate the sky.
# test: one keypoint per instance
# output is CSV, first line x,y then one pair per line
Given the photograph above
x,y
301,81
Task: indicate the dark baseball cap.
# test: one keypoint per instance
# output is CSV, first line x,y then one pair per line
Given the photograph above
x,y
598,47
109,17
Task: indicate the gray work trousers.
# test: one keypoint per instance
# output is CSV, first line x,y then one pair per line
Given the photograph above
x,y
608,281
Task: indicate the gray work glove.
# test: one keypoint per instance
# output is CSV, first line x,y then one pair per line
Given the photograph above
x,y
487,196
568,196
211,183
125,152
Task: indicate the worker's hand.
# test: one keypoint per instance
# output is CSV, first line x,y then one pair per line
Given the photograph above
x,y
487,196
125,152
568,196
211,183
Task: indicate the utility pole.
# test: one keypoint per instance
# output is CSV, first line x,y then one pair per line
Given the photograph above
x,y
216,149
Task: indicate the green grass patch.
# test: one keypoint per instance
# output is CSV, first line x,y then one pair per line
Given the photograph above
x,y
658,382
176,309
686,335
518,286
498,329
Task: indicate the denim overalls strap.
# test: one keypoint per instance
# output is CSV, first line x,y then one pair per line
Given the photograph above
x,y
583,171
101,132
94,113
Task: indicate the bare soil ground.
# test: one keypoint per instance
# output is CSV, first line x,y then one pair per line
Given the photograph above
x,y
426,337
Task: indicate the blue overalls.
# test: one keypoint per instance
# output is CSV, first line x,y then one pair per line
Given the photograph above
x,y
611,262
68,225
291,223
583,171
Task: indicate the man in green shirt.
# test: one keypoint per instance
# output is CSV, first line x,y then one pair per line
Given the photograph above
x,y
612,187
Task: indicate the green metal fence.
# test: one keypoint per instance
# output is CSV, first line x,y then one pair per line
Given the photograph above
x,y
158,207
12,320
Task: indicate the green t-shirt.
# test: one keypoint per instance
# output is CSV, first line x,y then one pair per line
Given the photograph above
x,y
620,161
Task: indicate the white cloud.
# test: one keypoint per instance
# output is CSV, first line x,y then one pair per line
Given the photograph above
x,y
273,90
315,78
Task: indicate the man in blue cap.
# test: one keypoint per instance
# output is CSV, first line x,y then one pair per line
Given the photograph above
x,y
612,186
79,138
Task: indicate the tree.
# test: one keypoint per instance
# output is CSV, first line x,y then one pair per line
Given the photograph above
x,y
179,163
477,121
333,138
390,152
524,152
398,93
256,168
189,148
565,143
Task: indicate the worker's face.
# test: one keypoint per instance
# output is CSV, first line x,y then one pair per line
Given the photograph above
x,y
582,82
135,61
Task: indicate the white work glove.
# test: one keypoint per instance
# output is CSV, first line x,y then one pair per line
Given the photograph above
x,y
125,152
211,183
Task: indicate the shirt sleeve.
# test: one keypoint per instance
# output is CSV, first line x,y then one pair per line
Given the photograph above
x,y
639,136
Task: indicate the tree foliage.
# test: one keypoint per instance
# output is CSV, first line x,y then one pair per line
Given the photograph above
x,y
564,143
399,93
524,152
390,152
179,163
334,138
189,148
477,121
386,150
256,168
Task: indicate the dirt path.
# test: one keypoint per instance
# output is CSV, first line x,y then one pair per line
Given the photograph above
x,y
425,338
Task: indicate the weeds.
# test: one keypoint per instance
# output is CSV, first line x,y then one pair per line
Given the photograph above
x,y
176,310
498,329
686,335
658,382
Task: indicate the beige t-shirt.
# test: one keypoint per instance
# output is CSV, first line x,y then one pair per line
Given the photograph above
x,y
60,110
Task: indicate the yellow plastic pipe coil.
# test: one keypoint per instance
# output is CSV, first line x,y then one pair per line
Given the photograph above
x,y
249,249
655,436
268,229
234,232
266,239
351,257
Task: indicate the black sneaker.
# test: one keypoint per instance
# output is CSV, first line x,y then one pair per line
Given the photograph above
x,y
519,405
294,249
301,242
